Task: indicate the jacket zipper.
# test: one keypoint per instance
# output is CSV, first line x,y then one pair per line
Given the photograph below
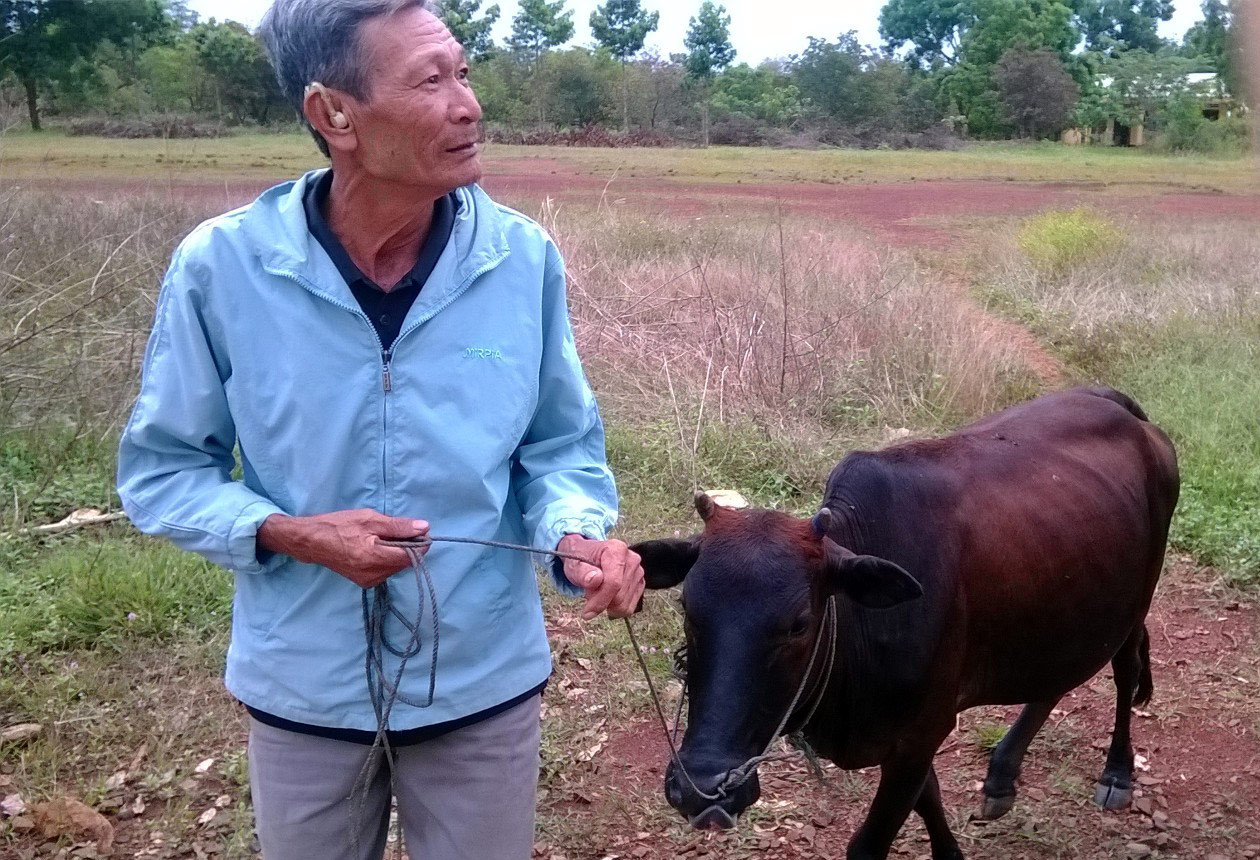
x,y
387,355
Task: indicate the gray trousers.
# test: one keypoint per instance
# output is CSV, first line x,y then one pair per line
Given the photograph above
x,y
467,795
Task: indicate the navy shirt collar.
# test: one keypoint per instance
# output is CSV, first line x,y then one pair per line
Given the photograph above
x,y
444,210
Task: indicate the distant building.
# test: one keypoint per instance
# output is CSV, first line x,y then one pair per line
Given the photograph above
x,y
1216,102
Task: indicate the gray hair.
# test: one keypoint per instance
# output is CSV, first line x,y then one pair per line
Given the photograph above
x,y
318,40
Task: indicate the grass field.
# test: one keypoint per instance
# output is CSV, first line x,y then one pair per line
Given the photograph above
x,y
746,345
52,155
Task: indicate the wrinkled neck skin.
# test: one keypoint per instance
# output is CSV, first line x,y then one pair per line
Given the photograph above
x,y
382,225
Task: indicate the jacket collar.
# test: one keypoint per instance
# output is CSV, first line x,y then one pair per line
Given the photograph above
x,y
275,225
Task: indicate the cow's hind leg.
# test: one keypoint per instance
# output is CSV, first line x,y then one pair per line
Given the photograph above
x,y
1008,758
1132,669
930,809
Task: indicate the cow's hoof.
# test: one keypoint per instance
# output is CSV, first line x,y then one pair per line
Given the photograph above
x,y
993,808
1113,797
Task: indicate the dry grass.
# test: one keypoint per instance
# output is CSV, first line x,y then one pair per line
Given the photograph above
x,y
722,320
1143,275
77,286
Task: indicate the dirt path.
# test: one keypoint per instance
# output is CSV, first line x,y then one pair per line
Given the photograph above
x,y
1199,776
926,213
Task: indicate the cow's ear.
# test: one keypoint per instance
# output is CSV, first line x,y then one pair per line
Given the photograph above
x,y
666,562
872,582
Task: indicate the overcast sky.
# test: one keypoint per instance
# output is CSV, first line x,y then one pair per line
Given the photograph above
x,y
759,30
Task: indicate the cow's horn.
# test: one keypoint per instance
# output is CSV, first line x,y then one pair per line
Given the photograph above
x,y
822,522
704,505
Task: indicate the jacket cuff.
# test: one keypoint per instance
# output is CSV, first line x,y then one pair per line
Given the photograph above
x,y
242,545
551,538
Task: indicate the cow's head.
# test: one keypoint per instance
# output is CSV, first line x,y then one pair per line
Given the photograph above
x,y
755,588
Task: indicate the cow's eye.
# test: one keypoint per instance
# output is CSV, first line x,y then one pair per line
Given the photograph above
x,y
800,626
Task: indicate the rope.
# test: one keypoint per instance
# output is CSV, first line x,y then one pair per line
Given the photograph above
x,y
378,608
738,776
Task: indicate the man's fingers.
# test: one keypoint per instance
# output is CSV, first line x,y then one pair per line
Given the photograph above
x,y
603,596
399,528
627,601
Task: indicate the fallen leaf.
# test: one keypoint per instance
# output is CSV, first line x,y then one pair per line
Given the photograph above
x,y
203,766
136,759
206,817
116,781
222,800
20,732
12,805
65,816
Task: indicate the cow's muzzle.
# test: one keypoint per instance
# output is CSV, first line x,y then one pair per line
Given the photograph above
x,y
712,803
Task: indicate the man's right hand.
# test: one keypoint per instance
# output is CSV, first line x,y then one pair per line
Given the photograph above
x,y
345,542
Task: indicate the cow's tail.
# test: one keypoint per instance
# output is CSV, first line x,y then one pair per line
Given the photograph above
x,y
1119,397
1145,683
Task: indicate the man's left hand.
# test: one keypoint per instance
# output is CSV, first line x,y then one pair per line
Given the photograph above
x,y
610,574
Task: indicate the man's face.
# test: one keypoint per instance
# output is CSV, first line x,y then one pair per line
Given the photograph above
x,y
419,123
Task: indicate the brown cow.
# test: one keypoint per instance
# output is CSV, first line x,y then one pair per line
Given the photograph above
x,y
1004,564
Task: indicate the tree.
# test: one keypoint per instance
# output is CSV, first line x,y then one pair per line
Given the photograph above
x,y
1037,93
622,26
460,17
765,94
1116,26
1212,41
581,87
237,66
829,76
933,28
709,51
998,26
540,25
43,39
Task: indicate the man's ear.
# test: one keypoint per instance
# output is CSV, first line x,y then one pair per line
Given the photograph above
x,y
666,562
869,581
326,112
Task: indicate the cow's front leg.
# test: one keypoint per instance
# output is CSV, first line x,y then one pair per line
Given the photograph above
x,y
901,782
932,811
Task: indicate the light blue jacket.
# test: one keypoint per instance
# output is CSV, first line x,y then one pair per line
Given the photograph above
x,y
480,422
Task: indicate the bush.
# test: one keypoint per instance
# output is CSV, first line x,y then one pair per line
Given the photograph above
x,y
1060,240
736,130
1187,130
163,126
592,136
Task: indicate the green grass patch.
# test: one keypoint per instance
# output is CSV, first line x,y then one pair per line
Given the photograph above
x,y
986,736
657,474
1057,241
1199,383
107,592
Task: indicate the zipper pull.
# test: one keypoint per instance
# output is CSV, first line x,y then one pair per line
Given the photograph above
x,y
386,378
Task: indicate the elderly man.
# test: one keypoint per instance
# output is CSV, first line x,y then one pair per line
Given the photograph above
x,y
385,346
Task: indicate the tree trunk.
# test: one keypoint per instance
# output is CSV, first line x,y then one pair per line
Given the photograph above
x,y
32,101
625,99
704,115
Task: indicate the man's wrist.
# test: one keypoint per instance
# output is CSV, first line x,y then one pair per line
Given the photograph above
x,y
280,533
